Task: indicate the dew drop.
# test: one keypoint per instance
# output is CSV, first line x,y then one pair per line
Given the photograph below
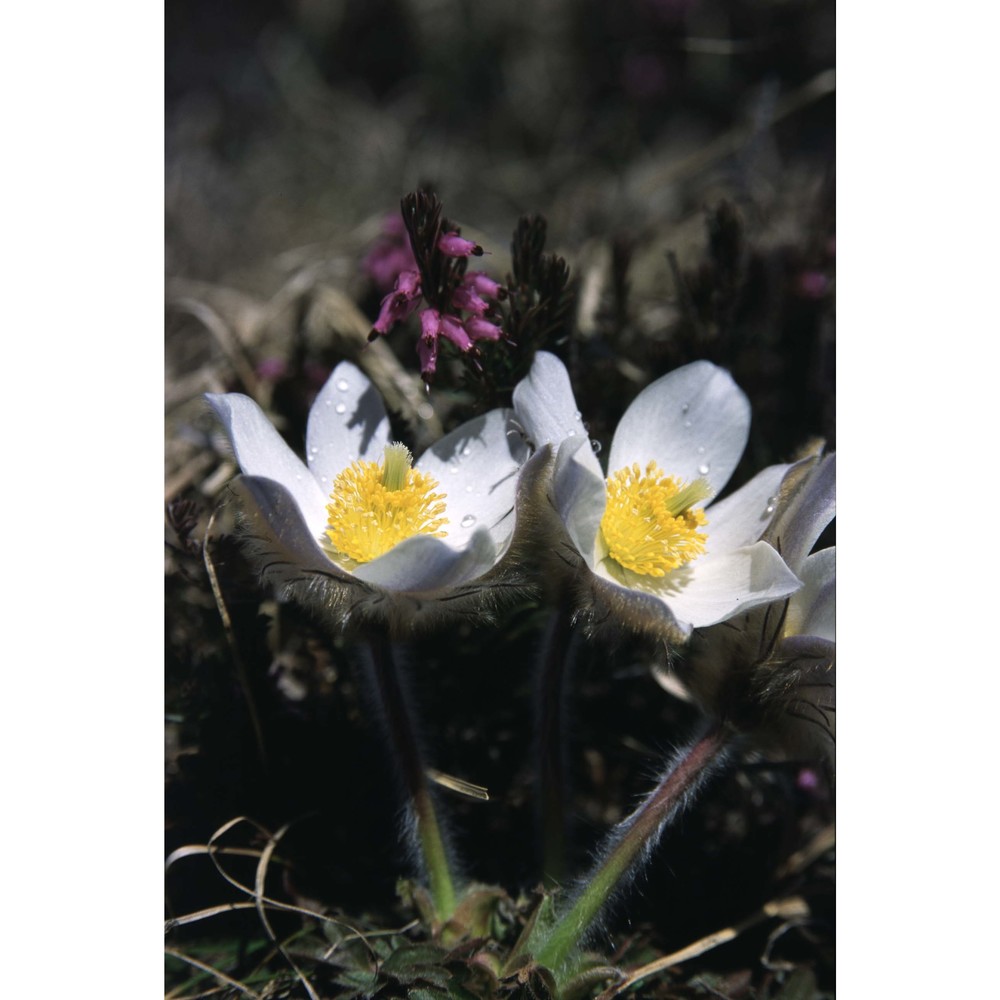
x,y
466,450
343,385
577,415
453,469
468,521
469,488
771,501
571,433
425,411
687,423
703,469
685,407
341,408
596,445
329,402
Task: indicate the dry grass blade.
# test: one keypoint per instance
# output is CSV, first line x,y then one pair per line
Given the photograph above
x,y
211,911
363,937
794,906
816,848
259,896
211,970
227,341
466,788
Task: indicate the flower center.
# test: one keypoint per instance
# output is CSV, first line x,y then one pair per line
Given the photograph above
x,y
376,506
650,522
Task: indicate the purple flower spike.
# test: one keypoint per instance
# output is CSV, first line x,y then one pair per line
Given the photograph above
x,y
452,329
452,245
482,329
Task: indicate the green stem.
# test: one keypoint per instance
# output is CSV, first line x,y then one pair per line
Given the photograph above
x,y
632,841
401,730
550,727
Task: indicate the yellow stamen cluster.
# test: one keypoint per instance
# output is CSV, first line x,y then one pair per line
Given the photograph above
x,y
374,507
650,522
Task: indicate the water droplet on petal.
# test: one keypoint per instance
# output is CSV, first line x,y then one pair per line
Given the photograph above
x,y
468,521
685,407
466,450
596,445
329,402
453,468
468,488
425,411
341,408
687,423
343,385
571,433
703,469
577,415
769,509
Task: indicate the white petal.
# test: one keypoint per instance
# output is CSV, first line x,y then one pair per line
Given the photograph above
x,y
743,516
810,511
347,422
693,422
261,451
580,493
297,549
727,584
476,466
544,403
425,563
812,611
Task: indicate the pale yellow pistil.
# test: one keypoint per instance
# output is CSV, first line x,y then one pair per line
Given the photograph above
x,y
376,506
650,525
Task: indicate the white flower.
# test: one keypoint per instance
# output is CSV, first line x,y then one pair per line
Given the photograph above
x,y
358,524
649,535
772,672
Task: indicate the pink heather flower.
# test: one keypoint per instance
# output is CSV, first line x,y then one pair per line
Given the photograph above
x,y
427,346
452,329
482,284
482,329
390,254
427,351
452,245
408,284
465,298
398,304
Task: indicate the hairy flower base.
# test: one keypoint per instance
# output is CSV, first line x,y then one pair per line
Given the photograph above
x,y
650,523
373,507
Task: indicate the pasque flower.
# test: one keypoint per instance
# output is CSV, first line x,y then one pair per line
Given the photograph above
x,y
360,522
647,541
772,672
